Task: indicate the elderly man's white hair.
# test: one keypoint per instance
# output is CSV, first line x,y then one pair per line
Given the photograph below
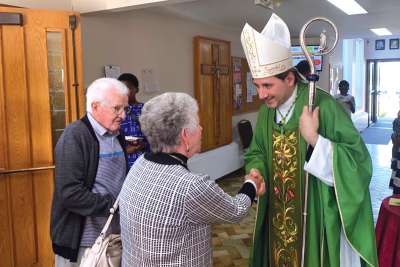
x,y
164,116
97,91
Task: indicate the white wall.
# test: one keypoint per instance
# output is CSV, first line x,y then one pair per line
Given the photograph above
x,y
41,4
143,39
86,6
335,59
360,117
371,53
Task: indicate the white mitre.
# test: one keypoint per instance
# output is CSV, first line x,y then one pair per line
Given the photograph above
x,y
268,53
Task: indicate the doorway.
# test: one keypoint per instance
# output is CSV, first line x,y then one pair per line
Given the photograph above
x,y
40,93
383,89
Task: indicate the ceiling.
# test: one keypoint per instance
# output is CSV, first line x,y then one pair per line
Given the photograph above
x,y
232,14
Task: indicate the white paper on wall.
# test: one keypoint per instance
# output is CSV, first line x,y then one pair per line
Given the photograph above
x,y
149,81
251,89
112,71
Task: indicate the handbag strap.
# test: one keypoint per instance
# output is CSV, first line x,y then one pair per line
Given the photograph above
x,y
108,222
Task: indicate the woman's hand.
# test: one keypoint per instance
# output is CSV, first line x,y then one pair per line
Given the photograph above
x,y
257,178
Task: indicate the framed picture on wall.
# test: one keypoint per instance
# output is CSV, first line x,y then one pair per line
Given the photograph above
x,y
380,44
394,43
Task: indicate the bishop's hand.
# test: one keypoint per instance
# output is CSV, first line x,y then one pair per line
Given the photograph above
x,y
309,123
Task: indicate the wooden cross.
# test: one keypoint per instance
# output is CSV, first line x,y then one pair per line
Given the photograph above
x,y
215,70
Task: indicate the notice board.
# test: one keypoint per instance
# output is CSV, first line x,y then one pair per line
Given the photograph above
x,y
245,97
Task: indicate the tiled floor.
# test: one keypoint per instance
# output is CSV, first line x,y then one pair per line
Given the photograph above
x,y
231,243
381,155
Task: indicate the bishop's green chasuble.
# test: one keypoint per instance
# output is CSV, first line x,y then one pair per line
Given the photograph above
x,y
279,152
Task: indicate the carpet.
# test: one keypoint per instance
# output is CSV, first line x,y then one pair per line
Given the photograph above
x,y
377,134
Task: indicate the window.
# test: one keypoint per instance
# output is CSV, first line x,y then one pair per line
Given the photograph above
x,y
354,69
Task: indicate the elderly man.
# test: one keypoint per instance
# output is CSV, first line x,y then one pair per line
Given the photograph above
x,y
340,229
91,166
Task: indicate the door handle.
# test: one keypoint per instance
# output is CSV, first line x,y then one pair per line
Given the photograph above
x,y
4,171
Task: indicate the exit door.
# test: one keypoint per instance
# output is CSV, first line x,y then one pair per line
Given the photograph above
x,y
40,92
383,88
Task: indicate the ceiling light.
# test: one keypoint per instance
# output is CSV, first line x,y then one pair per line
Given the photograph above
x,y
350,7
271,4
381,31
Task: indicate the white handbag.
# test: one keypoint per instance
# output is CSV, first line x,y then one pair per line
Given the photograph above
x,y
106,250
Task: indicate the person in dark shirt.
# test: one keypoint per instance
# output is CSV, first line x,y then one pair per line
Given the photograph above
x,y
137,143
345,99
303,68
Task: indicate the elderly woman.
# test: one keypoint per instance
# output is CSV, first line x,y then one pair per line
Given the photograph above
x,y
166,210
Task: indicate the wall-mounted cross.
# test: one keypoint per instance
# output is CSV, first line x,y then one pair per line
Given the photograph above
x,y
216,70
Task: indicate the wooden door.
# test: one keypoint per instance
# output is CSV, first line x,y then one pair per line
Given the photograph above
x,y
212,75
40,92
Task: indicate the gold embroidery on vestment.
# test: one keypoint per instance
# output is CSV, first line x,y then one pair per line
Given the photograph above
x,y
284,187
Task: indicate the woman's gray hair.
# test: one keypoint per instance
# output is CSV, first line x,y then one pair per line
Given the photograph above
x,y
163,118
98,89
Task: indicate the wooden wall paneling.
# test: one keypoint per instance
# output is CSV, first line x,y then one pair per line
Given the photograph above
x,y
60,20
81,89
3,143
204,96
43,188
6,235
41,138
18,133
226,99
38,96
79,79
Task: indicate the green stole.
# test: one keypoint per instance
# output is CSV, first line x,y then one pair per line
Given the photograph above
x,y
285,196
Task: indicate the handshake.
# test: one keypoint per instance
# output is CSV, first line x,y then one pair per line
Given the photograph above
x,y
257,178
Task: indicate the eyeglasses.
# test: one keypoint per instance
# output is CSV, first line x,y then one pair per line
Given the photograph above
x,y
119,109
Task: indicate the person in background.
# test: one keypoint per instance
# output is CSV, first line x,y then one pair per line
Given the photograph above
x,y
344,98
137,143
291,144
303,68
90,169
395,166
167,210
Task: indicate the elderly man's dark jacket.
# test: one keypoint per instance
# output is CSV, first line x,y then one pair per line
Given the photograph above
x,y
76,159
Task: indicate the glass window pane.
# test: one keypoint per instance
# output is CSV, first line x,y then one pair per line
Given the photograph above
x,y
55,61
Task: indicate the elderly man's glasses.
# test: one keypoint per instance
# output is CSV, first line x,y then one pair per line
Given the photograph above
x,y
119,109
